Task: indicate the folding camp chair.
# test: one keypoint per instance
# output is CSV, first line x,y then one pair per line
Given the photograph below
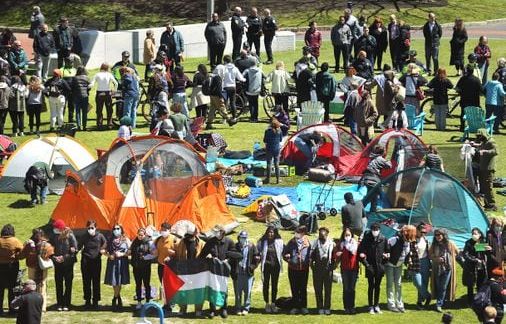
x,y
474,118
415,122
311,113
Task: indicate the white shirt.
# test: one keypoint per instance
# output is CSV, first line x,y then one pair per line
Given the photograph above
x,y
104,80
231,74
421,246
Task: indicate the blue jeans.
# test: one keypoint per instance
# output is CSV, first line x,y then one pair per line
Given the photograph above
x,y
243,285
442,282
81,106
130,108
307,150
421,280
349,283
43,190
394,286
497,111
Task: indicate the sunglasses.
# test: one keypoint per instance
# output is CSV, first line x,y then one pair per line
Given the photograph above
x,y
91,228
117,228
439,234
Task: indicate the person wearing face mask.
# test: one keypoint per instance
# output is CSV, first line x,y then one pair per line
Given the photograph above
x,y
164,250
64,257
444,268
495,239
270,247
372,254
243,272
92,247
348,257
141,257
221,248
189,248
323,263
396,252
296,253
116,272
475,264
419,265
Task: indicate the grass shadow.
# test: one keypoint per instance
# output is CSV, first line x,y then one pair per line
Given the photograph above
x,y
21,203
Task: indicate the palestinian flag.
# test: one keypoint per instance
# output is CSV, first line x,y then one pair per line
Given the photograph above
x,y
192,282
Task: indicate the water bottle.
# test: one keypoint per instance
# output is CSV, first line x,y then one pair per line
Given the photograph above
x,y
256,146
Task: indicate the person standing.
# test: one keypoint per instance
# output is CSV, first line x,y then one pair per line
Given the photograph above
x,y
216,37
238,27
64,257
37,20
272,139
56,88
198,100
347,254
355,28
457,46
130,90
444,268
432,32
92,246
231,75
483,55
394,41
341,37
164,251
80,93
365,115
280,84
17,105
326,86
217,102
10,253
29,304
297,253
174,41
313,40
5,92
494,100
106,84
404,43
254,32
116,272
441,84
371,251
63,40
488,152
255,82
367,43
353,214
43,46
179,84
495,239
140,251
18,61
379,32
412,81
372,174
475,263
270,246
469,89
149,53
418,262
323,263
269,27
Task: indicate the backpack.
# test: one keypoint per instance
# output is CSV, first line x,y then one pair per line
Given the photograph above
x,y
54,90
206,85
481,299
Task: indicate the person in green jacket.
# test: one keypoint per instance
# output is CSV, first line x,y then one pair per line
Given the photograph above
x,y
325,88
488,152
36,181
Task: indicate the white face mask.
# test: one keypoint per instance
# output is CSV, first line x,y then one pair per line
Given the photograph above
x,y
149,231
347,238
92,232
164,233
375,233
243,240
298,236
56,231
476,237
498,229
116,232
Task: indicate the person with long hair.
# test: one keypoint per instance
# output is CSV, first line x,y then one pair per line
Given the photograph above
x,y
418,263
92,246
323,262
180,82
441,84
34,103
457,46
80,94
140,250
106,84
198,100
280,87
38,247
495,238
56,88
64,257
474,273
371,251
379,32
444,268
272,139
17,105
116,272
348,257
270,247
412,81
10,253
432,159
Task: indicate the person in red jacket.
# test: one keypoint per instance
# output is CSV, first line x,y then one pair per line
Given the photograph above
x,y
347,252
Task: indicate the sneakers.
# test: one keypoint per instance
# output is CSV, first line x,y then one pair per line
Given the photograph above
x,y
327,312
393,309
304,311
65,309
244,312
231,122
60,309
274,308
371,311
224,313
321,312
439,309
402,310
138,306
377,310
268,308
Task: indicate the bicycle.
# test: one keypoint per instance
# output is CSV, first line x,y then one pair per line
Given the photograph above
x,y
427,105
241,101
269,102
117,104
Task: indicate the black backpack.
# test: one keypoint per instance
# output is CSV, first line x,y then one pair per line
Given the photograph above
x,y
206,85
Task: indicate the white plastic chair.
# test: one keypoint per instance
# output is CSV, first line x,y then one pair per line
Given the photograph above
x,y
311,113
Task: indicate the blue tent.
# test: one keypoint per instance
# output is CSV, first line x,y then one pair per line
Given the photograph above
x,y
425,195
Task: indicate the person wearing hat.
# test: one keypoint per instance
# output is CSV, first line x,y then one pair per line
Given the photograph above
x,y
125,62
64,257
323,262
488,151
243,272
55,89
444,268
125,129
29,304
63,40
106,85
475,263
164,251
412,80
371,252
221,248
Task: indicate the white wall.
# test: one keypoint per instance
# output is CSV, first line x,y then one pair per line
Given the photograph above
x,y
99,47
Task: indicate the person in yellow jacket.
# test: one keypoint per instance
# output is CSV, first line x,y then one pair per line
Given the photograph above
x,y
164,251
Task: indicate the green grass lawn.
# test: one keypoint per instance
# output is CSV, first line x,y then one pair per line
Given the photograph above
x,y
242,136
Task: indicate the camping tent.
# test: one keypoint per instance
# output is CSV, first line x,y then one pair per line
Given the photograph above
x,y
145,181
61,153
425,195
339,143
413,151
